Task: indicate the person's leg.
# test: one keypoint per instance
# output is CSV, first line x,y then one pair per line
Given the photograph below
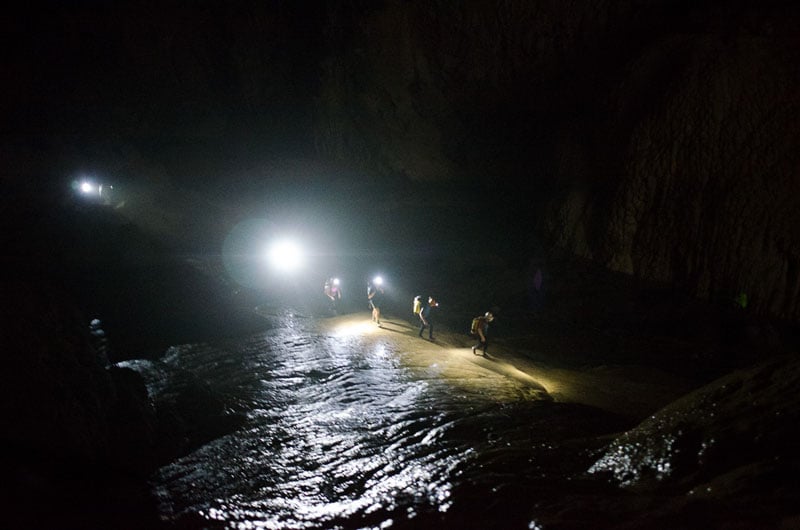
x,y
421,328
430,330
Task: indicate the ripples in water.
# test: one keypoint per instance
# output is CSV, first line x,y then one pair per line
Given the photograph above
x,y
341,434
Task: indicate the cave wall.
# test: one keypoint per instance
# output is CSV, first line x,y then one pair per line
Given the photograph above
x,y
155,90
655,137
704,178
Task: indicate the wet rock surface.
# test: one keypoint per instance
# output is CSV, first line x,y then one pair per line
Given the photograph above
x,y
723,455
81,433
70,412
655,140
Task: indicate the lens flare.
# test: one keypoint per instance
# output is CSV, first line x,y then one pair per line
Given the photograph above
x,y
285,256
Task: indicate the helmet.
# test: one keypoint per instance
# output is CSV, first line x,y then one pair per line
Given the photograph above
x,y
489,316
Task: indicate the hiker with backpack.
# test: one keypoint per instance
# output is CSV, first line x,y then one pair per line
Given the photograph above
x,y
425,317
416,307
480,329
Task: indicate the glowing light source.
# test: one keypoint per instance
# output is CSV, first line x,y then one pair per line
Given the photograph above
x,y
350,329
285,256
91,189
378,280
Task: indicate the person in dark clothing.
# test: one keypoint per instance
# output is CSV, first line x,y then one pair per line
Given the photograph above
x,y
482,331
426,317
99,342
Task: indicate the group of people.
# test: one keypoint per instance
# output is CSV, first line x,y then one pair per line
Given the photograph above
x,y
333,295
422,310
479,328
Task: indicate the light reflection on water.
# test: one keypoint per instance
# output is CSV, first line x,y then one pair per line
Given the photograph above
x,y
339,434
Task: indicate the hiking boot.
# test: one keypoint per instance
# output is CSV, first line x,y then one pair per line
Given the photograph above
x,y
473,351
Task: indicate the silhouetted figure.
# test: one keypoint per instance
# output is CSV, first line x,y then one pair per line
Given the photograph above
x,y
99,342
375,297
481,330
426,317
333,292
536,285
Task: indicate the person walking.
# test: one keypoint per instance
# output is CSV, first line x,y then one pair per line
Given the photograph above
x,y
426,317
375,297
416,307
334,293
481,329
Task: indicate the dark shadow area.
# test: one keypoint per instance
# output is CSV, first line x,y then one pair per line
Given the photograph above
x,y
76,262
466,151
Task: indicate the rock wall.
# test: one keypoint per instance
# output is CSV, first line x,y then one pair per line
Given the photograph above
x,y
701,183
657,138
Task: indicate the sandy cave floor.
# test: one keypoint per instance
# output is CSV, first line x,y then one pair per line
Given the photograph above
x,y
626,390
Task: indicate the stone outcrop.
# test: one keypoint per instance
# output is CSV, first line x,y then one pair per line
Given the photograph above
x,y
718,449
80,435
58,396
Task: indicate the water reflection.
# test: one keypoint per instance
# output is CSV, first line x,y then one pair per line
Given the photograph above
x,y
342,431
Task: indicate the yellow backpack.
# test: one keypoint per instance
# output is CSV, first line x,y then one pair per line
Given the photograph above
x,y
476,322
417,304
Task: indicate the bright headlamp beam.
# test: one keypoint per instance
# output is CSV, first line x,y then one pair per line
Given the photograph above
x,y
285,256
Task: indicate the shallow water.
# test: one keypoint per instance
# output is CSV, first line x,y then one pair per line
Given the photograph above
x,y
345,430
